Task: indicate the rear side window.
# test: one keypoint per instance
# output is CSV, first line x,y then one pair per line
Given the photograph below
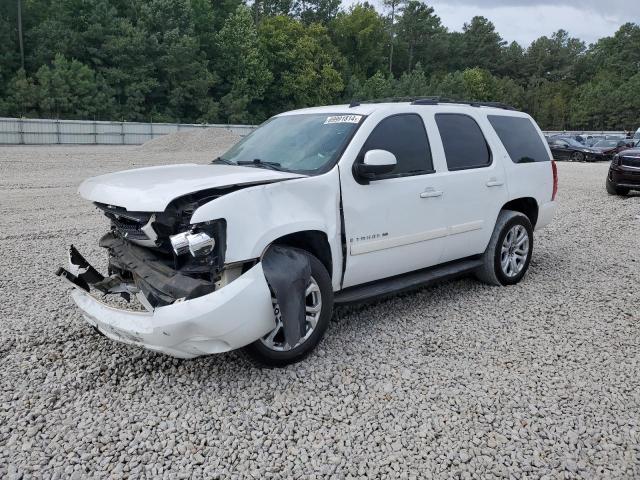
x,y
521,139
464,144
405,136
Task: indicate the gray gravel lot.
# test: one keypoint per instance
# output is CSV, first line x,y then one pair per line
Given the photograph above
x,y
461,380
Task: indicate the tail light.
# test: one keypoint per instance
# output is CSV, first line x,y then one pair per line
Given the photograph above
x,y
554,168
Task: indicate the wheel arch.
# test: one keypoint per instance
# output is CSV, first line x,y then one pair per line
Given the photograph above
x,y
314,242
525,205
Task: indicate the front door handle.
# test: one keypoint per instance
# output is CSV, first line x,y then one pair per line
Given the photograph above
x,y
431,193
494,182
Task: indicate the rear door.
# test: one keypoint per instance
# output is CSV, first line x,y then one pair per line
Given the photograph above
x,y
474,186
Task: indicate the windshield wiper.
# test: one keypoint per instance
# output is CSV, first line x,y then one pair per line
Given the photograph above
x,y
260,164
222,160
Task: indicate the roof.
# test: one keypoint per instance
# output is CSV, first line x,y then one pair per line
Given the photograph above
x,y
357,108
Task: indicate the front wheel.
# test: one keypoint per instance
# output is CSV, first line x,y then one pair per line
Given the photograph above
x,y
272,349
507,258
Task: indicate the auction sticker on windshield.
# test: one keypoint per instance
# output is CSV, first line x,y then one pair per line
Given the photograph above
x,y
343,119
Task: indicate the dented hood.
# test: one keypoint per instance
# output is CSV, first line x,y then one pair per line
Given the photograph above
x,y
152,189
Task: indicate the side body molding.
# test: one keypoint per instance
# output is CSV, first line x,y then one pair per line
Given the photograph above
x,y
256,216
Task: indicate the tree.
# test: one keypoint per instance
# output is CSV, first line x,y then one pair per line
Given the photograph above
x,y
482,45
553,58
422,36
67,89
359,34
243,72
393,6
317,11
304,64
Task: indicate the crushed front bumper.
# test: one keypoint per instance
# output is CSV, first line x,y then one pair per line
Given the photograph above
x,y
229,318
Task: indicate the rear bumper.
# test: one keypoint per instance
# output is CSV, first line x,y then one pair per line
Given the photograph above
x,y
546,213
229,318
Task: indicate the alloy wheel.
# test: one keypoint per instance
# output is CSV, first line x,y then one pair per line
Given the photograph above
x,y
514,251
274,340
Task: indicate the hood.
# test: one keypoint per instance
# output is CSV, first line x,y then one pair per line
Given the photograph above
x,y
603,149
631,152
152,189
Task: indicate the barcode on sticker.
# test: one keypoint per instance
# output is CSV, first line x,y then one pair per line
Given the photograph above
x,y
343,119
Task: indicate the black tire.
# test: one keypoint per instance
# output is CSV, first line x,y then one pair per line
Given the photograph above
x,y
612,189
265,356
491,271
577,157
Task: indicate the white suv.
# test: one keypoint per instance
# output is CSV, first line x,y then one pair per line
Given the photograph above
x,y
325,205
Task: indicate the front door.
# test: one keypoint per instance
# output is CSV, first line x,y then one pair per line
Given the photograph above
x,y
395,223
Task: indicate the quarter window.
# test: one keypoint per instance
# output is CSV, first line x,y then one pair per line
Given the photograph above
x,y
405,136
464,144
520,138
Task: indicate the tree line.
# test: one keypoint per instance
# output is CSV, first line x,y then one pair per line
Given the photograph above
x,y
235,61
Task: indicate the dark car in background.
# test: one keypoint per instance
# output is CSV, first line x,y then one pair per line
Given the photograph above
x,y
566,148
609,148
624,172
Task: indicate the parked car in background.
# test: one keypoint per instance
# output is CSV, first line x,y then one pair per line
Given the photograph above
x,y
566,148
592,140
624,172
609,148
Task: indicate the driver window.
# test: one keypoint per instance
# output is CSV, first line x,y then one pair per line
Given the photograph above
x,y
403,135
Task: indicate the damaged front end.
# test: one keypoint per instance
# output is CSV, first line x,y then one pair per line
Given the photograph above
x,y
158,257
193,303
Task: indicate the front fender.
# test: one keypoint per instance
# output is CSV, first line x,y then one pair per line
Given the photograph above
x,y
256,216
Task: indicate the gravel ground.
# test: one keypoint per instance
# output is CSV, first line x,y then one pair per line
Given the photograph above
x,y
461,380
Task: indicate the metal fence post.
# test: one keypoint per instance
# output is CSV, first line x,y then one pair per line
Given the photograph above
x,y
122,131
95,132
58,131
21,130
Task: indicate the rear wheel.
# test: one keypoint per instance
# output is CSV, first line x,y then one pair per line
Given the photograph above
x,y
577,157
506,259
612,189
272,349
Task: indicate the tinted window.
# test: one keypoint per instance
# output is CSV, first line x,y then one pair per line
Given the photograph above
x,y
406,138
463,141
520,138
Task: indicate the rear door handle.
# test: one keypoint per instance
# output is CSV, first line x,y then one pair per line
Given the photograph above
x,y
494,182
431,193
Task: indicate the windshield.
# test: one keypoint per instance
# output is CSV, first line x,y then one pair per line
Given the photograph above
x,y
302,143
606,143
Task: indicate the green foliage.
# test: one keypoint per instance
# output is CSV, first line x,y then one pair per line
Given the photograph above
x,y
305,64
360,35
242,69
242,61
66,89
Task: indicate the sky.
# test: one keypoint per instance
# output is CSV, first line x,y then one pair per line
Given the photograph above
x,y
524,21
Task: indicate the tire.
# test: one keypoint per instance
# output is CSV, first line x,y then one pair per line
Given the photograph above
x,y
577,157
264,355
612,189
492,270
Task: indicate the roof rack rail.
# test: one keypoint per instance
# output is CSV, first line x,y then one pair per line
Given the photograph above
x,y
473,103
432,101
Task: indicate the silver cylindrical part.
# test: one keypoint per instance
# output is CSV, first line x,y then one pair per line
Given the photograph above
x,y
200,244
180,243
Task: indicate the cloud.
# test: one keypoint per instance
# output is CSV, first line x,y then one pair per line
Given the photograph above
x,y
526,23
523,21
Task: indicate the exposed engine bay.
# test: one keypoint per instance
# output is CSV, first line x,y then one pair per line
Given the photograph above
x,y
158,256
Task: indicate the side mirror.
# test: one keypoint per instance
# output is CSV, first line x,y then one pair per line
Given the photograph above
x,y
376,162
